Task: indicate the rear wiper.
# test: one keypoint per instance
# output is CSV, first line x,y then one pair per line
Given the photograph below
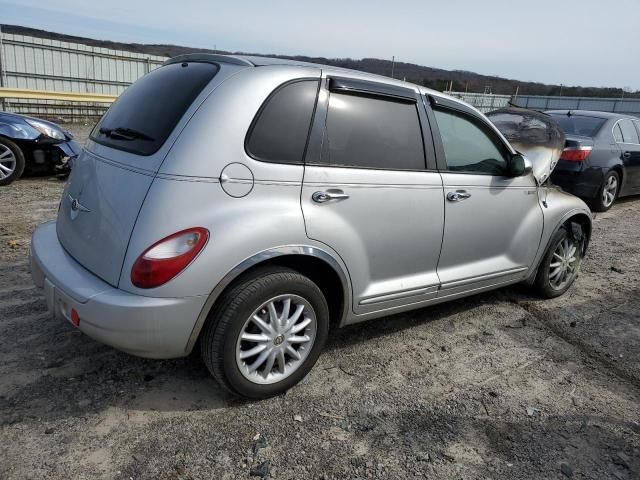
x,y
125,134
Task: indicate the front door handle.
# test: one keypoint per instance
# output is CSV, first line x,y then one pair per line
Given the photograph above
x,y
458,195
626,154
322,197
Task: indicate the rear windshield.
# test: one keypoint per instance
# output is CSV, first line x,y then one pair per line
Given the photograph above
x,y
146,113
578,124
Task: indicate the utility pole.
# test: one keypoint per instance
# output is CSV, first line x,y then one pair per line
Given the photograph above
x,y
393,65
561,89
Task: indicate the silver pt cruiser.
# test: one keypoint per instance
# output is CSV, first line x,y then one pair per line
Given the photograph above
x,y
244,205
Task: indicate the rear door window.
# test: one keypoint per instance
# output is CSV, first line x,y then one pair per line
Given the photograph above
x,y
280,131
145,114
469,148
372,132
629,132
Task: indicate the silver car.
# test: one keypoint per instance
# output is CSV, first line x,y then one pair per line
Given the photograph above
x,y
245,205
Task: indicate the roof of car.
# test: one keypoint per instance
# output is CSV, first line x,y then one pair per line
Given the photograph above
x,y
260,61
592,113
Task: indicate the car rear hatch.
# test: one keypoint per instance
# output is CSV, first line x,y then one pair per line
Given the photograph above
x,y
112,176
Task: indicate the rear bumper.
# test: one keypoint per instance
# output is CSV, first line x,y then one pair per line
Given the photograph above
x,y
578,180
143,326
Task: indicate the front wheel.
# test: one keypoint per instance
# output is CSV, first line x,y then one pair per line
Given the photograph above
x,y
266,333
560,265
608,192
11,161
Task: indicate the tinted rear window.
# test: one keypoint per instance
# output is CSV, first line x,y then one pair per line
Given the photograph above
x,y
143,117
279,133
579,125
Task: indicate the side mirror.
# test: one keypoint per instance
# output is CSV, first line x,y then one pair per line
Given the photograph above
x,y
520,166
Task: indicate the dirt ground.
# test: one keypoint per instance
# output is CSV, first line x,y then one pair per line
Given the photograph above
x,y
500,385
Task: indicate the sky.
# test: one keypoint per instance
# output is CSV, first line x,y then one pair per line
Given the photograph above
x,y
571,42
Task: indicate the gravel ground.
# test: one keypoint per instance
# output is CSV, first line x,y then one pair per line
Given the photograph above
x,y
500,385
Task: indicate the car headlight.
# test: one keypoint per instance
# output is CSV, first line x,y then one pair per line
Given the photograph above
x,y
46,130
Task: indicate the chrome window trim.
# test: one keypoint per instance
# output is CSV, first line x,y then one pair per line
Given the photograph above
x,y
635,126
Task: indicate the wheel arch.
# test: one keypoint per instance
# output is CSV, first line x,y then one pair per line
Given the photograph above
x,y
321,267
619,169
575,216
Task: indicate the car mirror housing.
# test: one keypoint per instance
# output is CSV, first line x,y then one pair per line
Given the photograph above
x,y
520,165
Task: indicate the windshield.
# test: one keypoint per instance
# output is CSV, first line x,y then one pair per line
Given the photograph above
x,y
143,117
579,124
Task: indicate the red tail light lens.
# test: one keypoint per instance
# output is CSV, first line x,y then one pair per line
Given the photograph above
x,y
75,318
577,154
165,259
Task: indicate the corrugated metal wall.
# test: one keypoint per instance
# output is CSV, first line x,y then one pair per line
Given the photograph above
x,y
483,101
617,105
43,64
486,102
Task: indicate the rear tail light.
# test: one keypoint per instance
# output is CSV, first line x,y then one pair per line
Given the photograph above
x,y
75,318
165,259
576,154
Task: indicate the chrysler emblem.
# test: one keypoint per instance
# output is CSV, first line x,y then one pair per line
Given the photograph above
x,y
76,206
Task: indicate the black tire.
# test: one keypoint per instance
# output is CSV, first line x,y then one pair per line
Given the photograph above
x,y
20,162
598,204
542,282
227,318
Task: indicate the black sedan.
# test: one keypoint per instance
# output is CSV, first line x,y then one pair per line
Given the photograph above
x,y
33,145
601,158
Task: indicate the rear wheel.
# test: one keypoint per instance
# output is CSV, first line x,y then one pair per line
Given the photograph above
x,y
11,161
266,333
560,265
608,192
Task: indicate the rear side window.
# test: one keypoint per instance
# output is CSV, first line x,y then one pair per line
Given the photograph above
x,y
280,130
629,132
369,132
468,148
579,124
617,133
143,117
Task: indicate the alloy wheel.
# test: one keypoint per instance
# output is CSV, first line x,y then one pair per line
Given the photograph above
x,y
609,191
564,264
276,339
8,162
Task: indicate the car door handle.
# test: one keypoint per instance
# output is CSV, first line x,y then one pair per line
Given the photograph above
x,y
458,195
626,154
322,197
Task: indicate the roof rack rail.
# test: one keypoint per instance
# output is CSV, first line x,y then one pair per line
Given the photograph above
x,y
209,58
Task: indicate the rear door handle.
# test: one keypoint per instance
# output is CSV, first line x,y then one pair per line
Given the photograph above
x,y
458,195
323,197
